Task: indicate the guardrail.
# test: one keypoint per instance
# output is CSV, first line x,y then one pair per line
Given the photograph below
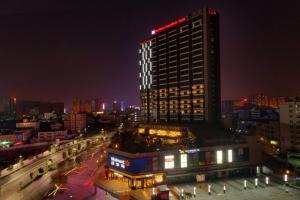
x,y
9,170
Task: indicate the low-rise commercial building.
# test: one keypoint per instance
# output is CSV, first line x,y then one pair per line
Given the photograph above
x,y
28,124
290,126
76,122
177,160
47,136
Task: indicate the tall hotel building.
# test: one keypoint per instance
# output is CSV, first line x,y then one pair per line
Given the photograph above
x,y
180,70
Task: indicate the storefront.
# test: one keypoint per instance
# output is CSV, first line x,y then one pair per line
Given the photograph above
x,y
136,172
148,169
137,182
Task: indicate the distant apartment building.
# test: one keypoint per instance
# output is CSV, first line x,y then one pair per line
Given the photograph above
x,y
77,105
290,126
29,108
261,100
116,107
47,136
8,106
15,136
268,134
76,122
25,124
88,106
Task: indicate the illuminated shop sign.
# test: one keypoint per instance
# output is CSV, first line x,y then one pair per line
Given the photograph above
x,y
131,165
229,155
169,162
183,160
119,162
189,150
219,157
168,25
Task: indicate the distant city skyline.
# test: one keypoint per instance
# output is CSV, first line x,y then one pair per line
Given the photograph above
x,y
56,51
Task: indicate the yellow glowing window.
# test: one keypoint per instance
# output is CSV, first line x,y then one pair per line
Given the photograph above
x,y
141,130
158,178
273,142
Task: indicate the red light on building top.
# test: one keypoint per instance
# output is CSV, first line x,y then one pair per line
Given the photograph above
x,y
245,100
18,143
168,26
212,11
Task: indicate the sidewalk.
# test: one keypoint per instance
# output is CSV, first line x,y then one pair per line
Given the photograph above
x,y
120,190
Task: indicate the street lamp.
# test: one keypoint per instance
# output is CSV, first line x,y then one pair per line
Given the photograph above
x,y
209,188
182,193
194,191
256,182
267,180
285,179
224,189
245,184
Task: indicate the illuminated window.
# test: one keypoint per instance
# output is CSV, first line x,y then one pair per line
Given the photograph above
x,y
183,160
169,162
219,157
229,155
159,178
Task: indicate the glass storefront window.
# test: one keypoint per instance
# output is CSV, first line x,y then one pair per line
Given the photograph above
x,y
183,160
169,162
229,155
219,157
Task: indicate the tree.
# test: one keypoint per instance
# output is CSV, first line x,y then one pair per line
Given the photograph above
x,y
41,170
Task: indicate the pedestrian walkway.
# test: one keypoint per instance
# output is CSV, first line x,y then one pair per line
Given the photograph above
x,y
274,190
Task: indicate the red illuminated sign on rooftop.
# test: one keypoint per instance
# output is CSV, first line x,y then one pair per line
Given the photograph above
x,y
168,25
212,11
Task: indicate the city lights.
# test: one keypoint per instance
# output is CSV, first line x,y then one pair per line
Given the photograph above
x,y
245,184
229,155
183,160
108,109
256,182
219,157
169,162
267,180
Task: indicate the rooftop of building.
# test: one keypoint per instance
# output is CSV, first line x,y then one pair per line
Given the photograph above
x,y
169,136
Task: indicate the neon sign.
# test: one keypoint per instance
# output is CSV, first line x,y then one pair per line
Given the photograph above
x,y
168,26
189,150
212,11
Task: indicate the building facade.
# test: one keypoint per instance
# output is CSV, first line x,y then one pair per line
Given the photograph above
x,y
76,122
47,136
180,70
148,169
290,126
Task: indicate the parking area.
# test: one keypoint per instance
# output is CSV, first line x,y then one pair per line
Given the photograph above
x,y
235,190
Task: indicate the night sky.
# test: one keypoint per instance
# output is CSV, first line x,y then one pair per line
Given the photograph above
x,y
60,49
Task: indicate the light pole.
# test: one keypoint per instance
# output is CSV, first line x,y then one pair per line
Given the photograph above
x,y
209,189
224,189
194,191
182,191
245,184
267,181
285,179
256,182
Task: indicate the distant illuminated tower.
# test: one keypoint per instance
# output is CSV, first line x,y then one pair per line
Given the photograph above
x,y
116,107
180,70
77,105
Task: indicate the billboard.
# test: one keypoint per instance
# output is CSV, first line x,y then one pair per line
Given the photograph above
x,y
131,165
